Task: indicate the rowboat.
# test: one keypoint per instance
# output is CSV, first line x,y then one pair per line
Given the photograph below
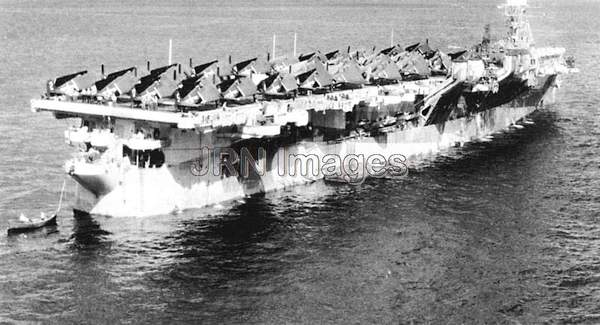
x,y
32,224
26,225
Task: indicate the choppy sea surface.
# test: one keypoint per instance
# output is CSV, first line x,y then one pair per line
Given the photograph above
x,y
506,231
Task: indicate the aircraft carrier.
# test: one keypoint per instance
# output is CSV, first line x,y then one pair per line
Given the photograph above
x,y
156,140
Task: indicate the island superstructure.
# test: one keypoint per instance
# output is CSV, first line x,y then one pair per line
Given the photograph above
x,y
147,142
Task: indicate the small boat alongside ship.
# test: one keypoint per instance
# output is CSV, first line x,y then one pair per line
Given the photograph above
x,y
26,224
186,137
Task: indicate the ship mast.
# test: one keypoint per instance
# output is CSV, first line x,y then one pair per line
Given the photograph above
x,y
519,32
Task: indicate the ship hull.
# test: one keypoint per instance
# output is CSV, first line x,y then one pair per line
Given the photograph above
x,y
155,191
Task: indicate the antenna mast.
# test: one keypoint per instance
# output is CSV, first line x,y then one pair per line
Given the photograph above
x,y
295,39
274,39
519,32
170,50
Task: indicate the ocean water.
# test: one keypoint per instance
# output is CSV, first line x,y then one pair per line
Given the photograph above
x,y
505,231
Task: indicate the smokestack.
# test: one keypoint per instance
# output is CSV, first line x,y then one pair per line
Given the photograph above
x,y
229,58
102,70
268,57
148,65
135,72
191,65
179,68
174,74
